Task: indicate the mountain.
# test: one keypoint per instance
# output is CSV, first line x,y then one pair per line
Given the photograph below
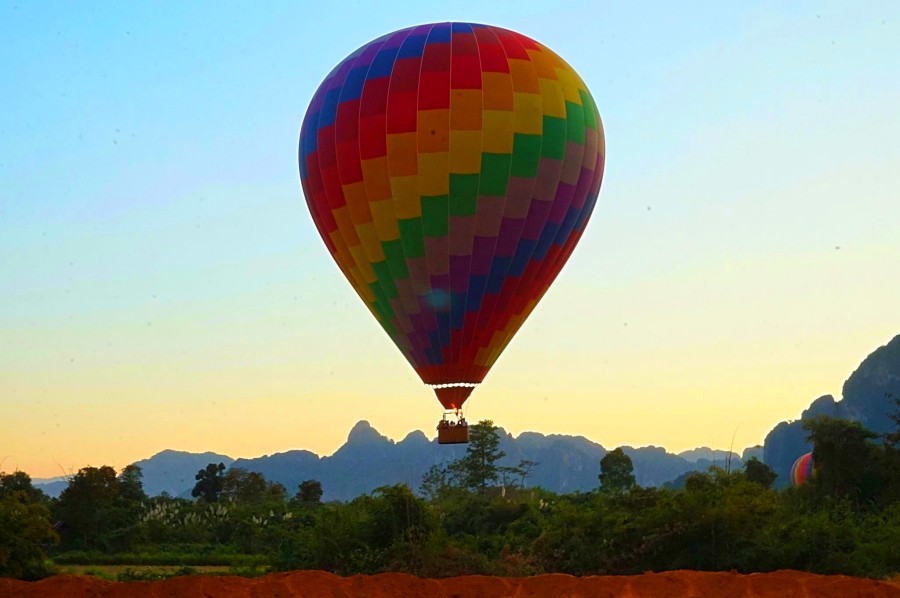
x,y
365,462
757,451
369,460
653,466
167,471
563,463
52,487
705,453
868,397
173,471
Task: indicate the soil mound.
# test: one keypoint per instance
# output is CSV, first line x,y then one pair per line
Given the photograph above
x,y
318,584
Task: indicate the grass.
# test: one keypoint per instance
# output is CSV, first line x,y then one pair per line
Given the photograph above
x,y
162,559
157,573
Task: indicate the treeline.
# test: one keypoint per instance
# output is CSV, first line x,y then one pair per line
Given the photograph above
x,y
476,517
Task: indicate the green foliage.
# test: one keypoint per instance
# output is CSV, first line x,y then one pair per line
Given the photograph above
x,y
479,469
760,473
25,533
19,482
243,487
131,488
435,482
189,555
94,572
387,530
99,510
309,492
616,472
131,574
848,464
477,517
210,482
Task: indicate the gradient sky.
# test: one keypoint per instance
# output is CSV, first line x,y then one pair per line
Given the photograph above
x,y
162,284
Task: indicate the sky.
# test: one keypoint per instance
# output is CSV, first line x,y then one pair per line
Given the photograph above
x,y
162,284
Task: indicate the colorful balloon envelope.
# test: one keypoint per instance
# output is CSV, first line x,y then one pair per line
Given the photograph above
x,y
451,169
802,469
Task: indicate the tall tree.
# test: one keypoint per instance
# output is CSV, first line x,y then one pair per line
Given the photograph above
x,y
893,438
616,472
846,460
87,506
479,469
131,486
434,481
309,492
20,482
210,481
757,471
243,487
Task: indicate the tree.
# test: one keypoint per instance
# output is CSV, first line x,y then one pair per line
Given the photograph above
x,y
20,482
892,457
309,492
760,473
209,482
243,487
616,472
893,438
845,458
516,476
397,514
131,488
24,532
479,468
86,507
434,481
523,470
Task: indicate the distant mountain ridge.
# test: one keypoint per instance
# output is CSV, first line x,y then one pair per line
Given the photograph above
x,y
173,471
369,460
868,397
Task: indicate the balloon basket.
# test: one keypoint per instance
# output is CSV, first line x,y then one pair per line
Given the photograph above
x,y
458,434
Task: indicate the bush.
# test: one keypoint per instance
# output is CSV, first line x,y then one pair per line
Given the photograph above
x,y
25,533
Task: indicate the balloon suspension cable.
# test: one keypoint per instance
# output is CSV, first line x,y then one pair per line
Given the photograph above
x,y
452,395
452,418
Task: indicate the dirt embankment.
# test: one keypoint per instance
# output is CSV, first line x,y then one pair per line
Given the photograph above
x,y
318,584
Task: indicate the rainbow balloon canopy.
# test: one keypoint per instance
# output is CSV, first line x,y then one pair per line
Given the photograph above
x,y
451,169
802,469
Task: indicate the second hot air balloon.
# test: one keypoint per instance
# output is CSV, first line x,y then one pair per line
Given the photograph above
x,y
450,169
802,470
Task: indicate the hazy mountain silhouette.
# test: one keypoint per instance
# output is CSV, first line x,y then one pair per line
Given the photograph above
x,y
166,471
707,454
868,397
369,460
52,487
757,451
173,471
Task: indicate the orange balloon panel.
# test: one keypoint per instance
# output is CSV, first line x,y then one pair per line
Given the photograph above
x,y
451,168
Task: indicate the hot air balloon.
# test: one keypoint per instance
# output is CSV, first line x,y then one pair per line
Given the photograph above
x,y
450,169
802,469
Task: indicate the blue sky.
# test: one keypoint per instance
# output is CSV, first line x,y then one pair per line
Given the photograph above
x,y
158,264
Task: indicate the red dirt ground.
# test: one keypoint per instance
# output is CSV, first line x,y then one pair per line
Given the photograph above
x,y
318,584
